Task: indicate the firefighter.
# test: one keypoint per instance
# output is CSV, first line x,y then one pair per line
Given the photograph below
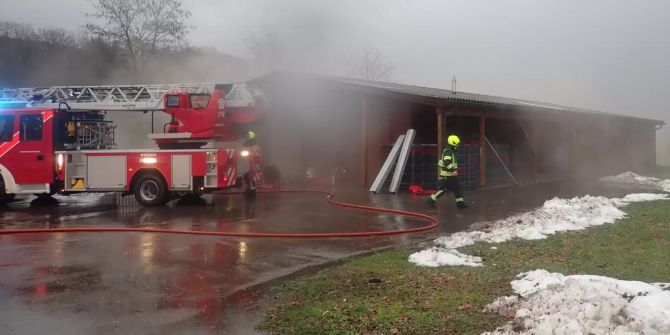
x,y
449,174
249,139
249,181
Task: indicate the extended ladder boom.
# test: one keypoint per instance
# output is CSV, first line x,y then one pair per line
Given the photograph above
x,y
120,97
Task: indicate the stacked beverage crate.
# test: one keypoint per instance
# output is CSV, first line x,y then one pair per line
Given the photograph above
x,y
427,166
468,163
461,157
472,166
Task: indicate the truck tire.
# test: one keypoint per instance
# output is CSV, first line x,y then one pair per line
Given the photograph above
x,y
151,190
6,198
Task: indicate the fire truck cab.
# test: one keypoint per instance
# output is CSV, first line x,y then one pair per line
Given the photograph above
x,y
61,149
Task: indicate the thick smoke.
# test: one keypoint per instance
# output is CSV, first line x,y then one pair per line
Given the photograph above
x,y
610,57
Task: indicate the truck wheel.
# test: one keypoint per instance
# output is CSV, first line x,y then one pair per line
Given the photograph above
x,y
151,190
5,198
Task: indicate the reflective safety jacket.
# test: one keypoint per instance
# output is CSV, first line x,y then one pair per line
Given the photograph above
x,y
448,164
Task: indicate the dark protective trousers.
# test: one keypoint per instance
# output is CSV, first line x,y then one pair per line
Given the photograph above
x,y
249,181
450,184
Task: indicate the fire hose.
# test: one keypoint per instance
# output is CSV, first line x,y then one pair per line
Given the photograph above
x,y
329,197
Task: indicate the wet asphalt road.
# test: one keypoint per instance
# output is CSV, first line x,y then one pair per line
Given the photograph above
x,y
134,283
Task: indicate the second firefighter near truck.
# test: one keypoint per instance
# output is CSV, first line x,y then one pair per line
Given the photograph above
x,y
448,180
254,175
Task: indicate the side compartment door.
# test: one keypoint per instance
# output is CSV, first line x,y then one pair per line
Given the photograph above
x,y
181,172
106,173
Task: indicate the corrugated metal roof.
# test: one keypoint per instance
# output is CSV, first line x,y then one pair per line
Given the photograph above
x,y
437,93
447,95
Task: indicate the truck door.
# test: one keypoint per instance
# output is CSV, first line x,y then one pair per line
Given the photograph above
x,y
34,150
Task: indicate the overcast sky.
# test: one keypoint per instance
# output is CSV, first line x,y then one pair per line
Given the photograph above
x,y
609,55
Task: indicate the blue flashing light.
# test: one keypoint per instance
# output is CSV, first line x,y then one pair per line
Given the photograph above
x,y
12,104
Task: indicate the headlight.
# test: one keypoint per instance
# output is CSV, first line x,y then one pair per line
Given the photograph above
x,y
59,161
148,160
244,153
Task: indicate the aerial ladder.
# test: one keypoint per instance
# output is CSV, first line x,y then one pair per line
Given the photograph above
x,y
236,103
122,97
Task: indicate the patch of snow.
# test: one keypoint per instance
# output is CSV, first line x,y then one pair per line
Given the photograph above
x,y
494,248
556,215
81,197
639,197
534,281
635,180
438,257
551,303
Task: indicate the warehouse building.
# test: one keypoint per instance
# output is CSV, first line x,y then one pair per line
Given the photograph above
x,y
320,126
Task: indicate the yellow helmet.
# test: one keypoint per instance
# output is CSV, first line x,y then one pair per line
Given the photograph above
x,y
250,135
453,140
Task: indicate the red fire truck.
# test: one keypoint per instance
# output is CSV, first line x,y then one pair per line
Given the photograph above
x,y
58,140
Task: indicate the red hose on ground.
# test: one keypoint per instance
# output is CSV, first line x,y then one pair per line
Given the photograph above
x,y
329,197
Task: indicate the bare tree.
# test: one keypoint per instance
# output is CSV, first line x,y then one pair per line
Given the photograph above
x,y
56,36
372,66
15,30
140,27
49,36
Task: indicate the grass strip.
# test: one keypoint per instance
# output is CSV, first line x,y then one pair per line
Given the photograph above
x,y
385,294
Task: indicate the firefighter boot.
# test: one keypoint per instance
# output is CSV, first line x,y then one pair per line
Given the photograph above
x,y
431,201
250,192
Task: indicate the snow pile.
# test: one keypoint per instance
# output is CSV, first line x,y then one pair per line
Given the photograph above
x,y
640,197
556,215
82,198
551,303
635,180
437,256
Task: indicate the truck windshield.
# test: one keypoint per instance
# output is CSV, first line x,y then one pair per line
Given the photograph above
x,y
172,101
200,100
6,128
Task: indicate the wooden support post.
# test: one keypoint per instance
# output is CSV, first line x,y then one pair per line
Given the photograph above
x,y
651,163
440,134
536,145
575,152
365,140
482,151
531,140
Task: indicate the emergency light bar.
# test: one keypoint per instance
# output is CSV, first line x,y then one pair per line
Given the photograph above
x,y
9,104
